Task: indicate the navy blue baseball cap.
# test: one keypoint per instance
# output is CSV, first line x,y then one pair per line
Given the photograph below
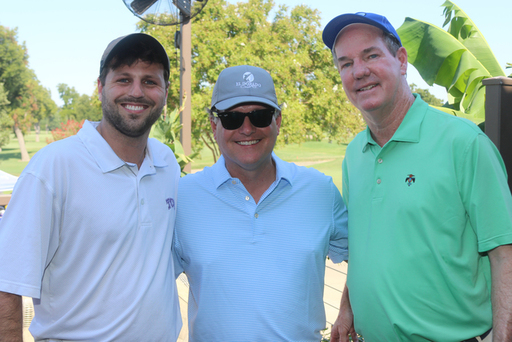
x,y
333,28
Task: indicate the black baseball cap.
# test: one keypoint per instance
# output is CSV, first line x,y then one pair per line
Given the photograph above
x,y
120,44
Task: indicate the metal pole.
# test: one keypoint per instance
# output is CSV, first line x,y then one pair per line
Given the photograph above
x,y
186,88
498,117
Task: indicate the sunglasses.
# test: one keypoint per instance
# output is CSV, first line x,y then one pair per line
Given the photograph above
x,y
233,120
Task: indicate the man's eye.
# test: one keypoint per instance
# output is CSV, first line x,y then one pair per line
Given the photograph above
x,y
373,56
122,80
346,65
149,82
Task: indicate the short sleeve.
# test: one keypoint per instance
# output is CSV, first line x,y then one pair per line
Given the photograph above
x,y
338,246
27,243
486,194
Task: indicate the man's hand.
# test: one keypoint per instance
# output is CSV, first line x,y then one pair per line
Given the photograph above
x,y
344,325
11,317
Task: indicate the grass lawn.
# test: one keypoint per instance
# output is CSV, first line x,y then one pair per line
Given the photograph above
x,y
323,156
10,156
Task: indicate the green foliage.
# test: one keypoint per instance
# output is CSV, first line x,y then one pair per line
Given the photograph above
x,y
509,66
29,102
167,130
77,107
5,120
289,46
457,59
426,95
14,73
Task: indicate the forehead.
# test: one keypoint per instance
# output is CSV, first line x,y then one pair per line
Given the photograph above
x,y
139,67
357,36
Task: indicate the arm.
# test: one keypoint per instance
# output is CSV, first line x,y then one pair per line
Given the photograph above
x,y
501,272
344,325
11,317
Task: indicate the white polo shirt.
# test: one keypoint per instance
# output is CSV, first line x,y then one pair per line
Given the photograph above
x,y
90,241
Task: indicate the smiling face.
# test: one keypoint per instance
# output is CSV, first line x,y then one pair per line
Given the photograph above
x,y
133,97
372,77
247,148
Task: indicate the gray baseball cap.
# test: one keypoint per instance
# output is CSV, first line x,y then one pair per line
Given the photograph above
x,y
127,44
243,84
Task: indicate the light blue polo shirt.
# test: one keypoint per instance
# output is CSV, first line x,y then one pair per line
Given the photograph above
x,y
256,271
424,209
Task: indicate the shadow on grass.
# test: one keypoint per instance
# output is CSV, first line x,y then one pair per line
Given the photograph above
x,y
10,155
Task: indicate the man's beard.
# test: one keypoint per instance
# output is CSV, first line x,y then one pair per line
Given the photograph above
x,y
127,126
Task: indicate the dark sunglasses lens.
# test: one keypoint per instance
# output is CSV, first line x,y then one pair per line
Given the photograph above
x,y
231,120
259,118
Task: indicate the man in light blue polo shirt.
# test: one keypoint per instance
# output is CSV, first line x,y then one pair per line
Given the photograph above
x,y
430,220
252,231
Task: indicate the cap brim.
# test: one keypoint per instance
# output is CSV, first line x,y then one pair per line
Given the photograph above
x,y
235,101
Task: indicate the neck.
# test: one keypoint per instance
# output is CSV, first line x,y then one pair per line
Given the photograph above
x,y
131,150
256,181
384,124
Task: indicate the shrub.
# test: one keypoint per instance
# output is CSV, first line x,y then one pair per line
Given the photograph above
x,y
67,129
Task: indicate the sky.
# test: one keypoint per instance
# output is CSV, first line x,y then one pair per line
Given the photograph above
x,y
66,38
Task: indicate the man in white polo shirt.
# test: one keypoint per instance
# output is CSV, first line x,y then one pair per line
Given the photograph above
x,y
89,228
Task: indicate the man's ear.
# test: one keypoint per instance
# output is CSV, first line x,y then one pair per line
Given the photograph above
x,y
278,123
401,54
100,89
214,127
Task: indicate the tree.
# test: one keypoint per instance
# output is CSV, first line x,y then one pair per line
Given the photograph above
x,y
426,95
27,99
43,106
5,120
457,59
77,107
289,46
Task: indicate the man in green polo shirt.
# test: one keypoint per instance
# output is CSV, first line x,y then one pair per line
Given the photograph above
x,y
430,211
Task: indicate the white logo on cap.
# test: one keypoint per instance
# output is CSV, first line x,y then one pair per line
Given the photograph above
x,y
248,81
248,77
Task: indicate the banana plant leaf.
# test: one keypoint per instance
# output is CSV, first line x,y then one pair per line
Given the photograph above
x,y
465,31
457,59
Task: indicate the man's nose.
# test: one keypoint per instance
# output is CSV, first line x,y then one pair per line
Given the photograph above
x,y
136,90
360,70
247,126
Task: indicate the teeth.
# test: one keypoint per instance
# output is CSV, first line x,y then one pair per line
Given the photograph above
x,y
367,88
131,107
247,143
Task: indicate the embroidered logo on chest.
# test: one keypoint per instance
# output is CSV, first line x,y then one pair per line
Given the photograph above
x,y
170,203
410,179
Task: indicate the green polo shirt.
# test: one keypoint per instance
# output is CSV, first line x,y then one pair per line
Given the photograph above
x,y
423,210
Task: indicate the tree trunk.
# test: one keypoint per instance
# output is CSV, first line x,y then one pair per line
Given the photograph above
x,y
21,141
37,126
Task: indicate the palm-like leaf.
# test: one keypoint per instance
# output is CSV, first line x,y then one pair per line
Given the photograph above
x,y
457,59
